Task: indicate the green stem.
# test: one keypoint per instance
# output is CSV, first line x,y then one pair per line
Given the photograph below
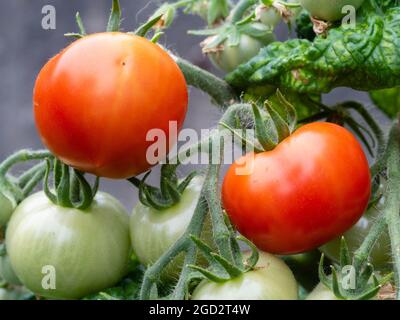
x,y
393,200
24,178
221,233
184,244
21,156
363,252
180,290
240,9
215,87
33,182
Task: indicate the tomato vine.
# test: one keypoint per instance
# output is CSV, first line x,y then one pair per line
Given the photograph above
x,y
276,92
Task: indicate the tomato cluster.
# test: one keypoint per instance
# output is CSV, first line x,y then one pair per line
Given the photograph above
x,y
94,105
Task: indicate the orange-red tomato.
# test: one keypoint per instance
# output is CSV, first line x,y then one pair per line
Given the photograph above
x,y
311,188
95,102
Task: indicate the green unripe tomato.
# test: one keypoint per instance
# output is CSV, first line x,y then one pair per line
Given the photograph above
x,y
153,232
270,280
381,253
269,16
321,292
7,272
328,10
7,207
229,58
64,253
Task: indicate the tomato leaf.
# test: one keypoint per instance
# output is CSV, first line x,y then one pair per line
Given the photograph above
x,y
345,57
388,100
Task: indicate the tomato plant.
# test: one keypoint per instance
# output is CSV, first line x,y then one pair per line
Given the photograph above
x,y
86,251
96,101
297,196
270,280
303,181
329,10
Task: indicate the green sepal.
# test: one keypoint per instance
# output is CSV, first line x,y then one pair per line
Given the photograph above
x,y
145,28
71,189
208,274
250,262
263,135
289,112
114,21
345,258
170,191
282,128
231,269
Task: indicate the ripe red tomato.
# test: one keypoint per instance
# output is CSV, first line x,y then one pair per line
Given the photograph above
x,y
311,188
95,101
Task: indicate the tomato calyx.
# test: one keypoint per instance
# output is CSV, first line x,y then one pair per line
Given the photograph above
x,y
221,269
170,191
354,277
15,189
72,190
271,125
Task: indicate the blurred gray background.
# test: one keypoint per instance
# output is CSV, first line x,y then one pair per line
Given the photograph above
x,y
25,47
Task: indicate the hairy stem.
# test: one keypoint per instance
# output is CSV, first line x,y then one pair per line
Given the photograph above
x,y
393,200
216,88
21,156
363,252
33,182
184,244
221,233
24,178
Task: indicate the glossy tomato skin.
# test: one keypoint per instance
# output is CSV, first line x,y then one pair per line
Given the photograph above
x,y
86,251
311,188
270,280
95,102
153,232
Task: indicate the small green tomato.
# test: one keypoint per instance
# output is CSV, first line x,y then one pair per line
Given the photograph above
x,y
228,57
328,10
64,253
153,232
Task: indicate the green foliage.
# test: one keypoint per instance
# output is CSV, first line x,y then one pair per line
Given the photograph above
x,y
362,58
388,100
304,26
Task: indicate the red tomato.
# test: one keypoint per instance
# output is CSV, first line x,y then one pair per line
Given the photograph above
x,y
311,188
95,102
